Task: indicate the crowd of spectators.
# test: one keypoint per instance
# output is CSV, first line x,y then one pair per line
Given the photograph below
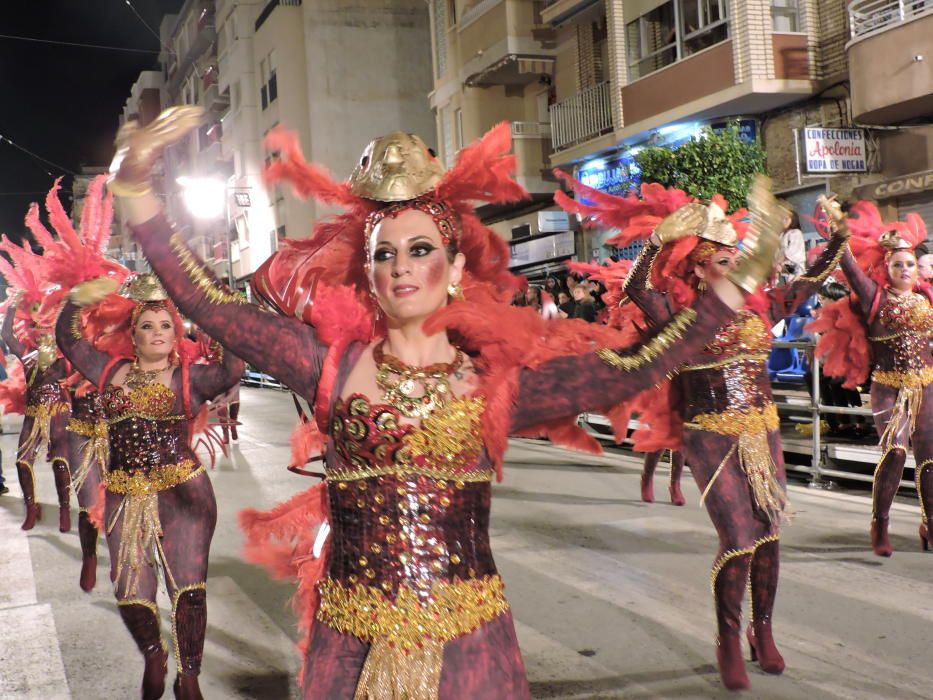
x,y
569,296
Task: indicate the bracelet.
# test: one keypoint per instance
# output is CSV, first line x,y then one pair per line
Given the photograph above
x,y
128,191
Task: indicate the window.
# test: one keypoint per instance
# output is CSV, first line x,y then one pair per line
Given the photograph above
x,y
458,123
672,31
652,41
451,12
270,87
785,15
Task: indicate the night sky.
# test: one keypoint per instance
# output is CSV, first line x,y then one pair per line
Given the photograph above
x,y
63,102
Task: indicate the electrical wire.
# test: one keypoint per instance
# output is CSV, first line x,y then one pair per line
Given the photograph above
x,y
75,44
148,26
6,139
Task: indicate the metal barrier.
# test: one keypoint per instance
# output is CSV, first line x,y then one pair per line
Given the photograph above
x,y
868,16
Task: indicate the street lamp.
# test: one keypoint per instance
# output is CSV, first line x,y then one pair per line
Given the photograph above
x,y
206,198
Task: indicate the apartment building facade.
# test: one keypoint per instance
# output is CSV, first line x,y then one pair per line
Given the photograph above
x,y
257,64
807,78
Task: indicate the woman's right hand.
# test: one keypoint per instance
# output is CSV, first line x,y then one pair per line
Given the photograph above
x,y
756,261
138,148
93,291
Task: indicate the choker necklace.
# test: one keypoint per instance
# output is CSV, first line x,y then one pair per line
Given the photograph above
x,y
399,382
138,378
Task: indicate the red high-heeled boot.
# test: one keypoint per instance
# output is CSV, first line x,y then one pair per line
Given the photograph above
x,y
27,484
764,579
647,476
924,537
880,543
729,589
63,487
190,614
143,623
677,470
87,534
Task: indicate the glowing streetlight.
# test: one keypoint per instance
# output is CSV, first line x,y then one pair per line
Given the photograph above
x,y
204,197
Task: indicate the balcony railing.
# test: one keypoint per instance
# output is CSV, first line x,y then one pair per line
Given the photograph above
x,y
584,116
868,16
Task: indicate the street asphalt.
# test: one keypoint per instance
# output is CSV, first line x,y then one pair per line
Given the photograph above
x,y
610,595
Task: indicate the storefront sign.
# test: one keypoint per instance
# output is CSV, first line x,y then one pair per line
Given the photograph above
x,y
909,184
614,176
834,150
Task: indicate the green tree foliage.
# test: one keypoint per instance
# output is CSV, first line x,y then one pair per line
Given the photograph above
x,y
715,162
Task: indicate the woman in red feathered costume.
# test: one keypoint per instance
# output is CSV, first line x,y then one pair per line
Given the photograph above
x,y
395,324
885,327
159,510
719,408
623,315
27,332
69,258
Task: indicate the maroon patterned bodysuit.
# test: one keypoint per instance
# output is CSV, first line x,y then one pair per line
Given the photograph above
x,y
160,509
899,331
410,505
732,438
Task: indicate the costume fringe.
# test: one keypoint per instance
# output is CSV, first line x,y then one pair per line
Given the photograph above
x,y
391,673
755,461
907,405
140,541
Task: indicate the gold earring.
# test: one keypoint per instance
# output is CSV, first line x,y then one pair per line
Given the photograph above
x,y
702,286
455,291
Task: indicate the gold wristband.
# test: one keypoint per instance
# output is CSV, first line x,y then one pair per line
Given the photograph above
x,y
127,190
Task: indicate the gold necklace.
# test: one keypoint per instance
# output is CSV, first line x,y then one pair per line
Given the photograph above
x,y
138,378
399,382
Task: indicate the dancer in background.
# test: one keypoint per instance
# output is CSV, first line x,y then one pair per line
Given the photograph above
x,y
894,305
160,510
719,407
417,390
27,332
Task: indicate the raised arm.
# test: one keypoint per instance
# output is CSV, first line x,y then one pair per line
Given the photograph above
x,y
638,287
567,386
282,347
211,380
809,282
87,359
865,287
9,337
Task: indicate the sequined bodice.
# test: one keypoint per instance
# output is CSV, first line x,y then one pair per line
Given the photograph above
x,y
143,428
44,389
409,505
900,333
731,373
87,407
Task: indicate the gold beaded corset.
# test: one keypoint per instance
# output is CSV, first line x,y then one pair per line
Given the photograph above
x,y
900,339
409,505
144,429
731,373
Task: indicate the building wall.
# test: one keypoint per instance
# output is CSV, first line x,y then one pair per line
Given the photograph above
x,y
369,73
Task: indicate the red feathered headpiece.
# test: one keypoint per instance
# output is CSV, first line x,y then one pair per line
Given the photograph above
x,y
636,216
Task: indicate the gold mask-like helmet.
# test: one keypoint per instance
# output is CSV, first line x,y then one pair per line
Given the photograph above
x,y
46,351
144,287
395,168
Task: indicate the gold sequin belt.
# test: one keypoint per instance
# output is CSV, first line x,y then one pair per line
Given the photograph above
x,y
46,410
87,428
756,358
454,609
909,379
158,479
737,422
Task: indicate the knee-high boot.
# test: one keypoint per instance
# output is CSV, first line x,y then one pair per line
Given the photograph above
x,y
142,620
764,580
87,533
63,487
677,470
730,575
884,487
647,475
924,478
189,623
27,483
